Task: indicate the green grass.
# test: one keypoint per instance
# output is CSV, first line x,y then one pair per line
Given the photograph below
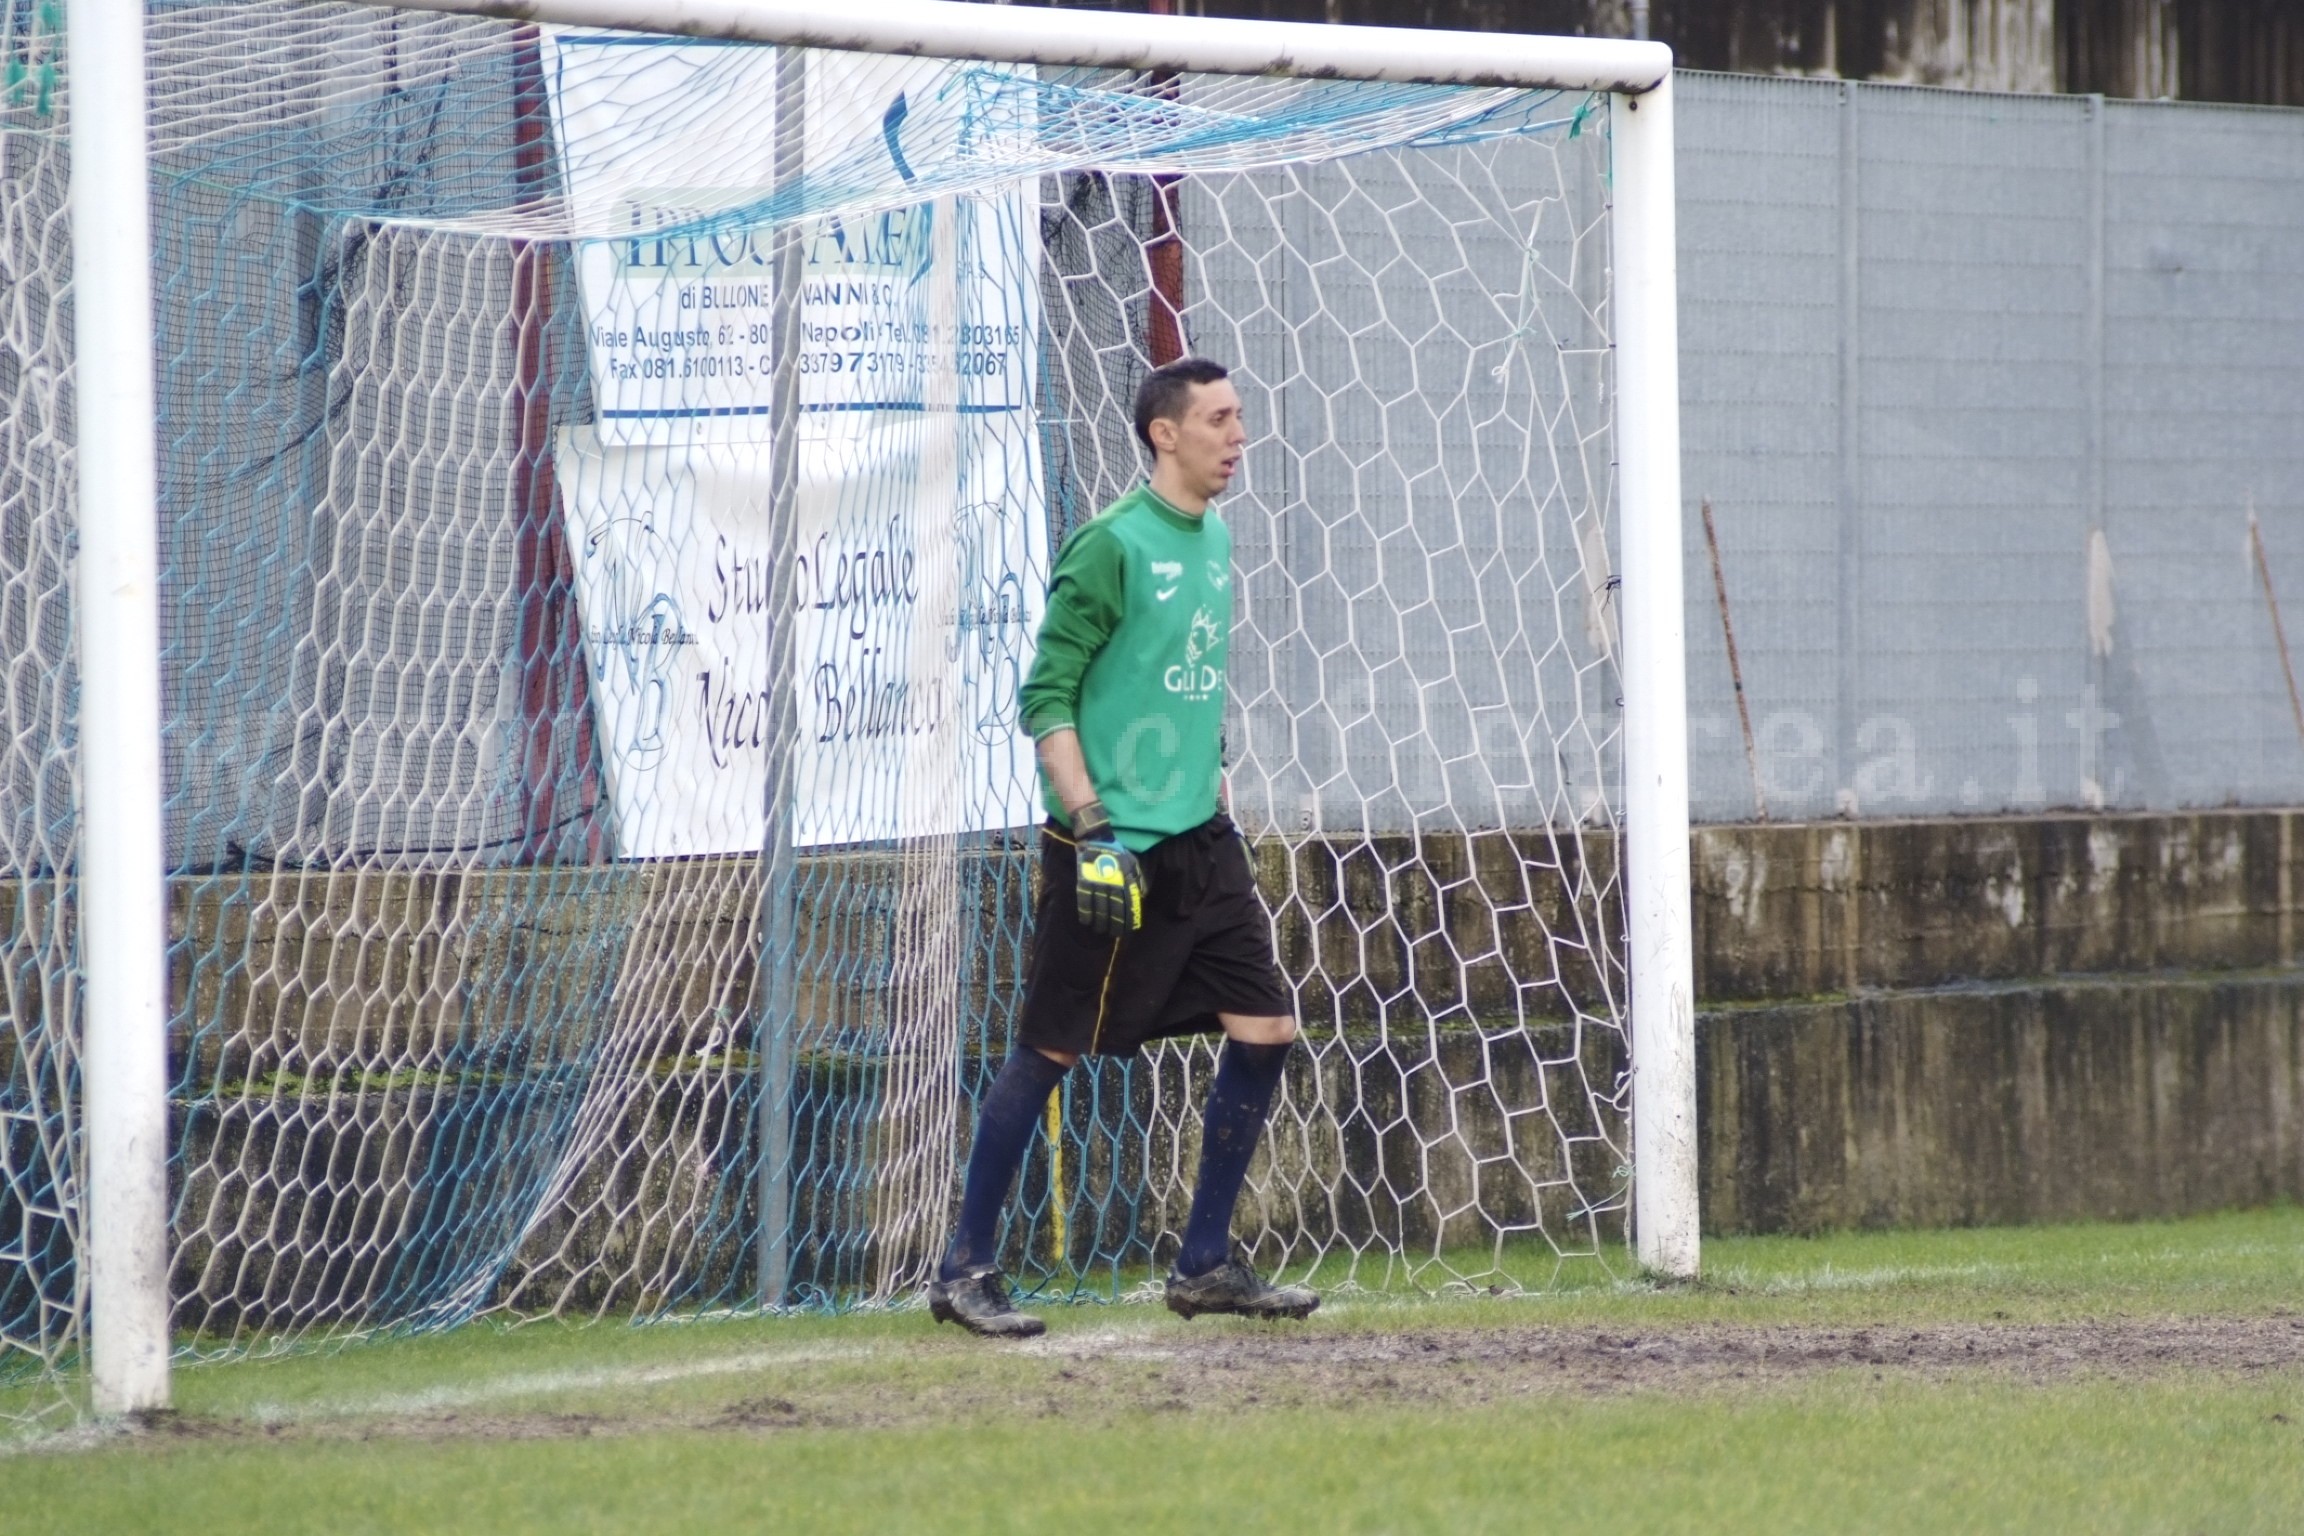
x,y
2232,1263
563,1429
2179,1456
2235,1263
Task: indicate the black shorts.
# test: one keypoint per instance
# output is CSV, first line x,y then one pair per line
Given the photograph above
x,y
1205,948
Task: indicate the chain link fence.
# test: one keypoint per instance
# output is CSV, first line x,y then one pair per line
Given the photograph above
x,y
1985,393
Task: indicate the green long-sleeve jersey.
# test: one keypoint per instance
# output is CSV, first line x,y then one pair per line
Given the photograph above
x,y
1132,655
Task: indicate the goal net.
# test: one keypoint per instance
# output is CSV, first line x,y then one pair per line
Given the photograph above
x,y
608,486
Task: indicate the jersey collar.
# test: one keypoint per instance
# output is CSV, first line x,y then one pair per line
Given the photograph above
x,y
1183,521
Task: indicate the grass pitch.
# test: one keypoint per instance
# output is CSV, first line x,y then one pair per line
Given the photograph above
x,y
2085,1378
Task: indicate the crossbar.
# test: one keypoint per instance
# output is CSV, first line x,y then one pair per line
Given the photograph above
x,y
1015,34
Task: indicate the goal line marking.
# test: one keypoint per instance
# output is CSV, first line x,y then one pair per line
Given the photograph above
x,y
550,1383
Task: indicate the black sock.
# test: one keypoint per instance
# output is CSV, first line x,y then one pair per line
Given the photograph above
x,y
1012,1110
1238,1105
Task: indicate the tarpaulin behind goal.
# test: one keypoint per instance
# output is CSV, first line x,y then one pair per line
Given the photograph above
x,y
607,492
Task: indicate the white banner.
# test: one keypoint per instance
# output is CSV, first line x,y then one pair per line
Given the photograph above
x,y
673,589
921,542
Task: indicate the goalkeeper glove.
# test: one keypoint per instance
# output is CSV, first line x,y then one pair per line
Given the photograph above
x,y
1107,879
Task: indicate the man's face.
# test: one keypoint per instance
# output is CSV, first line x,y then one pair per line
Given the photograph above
x,y
1207,440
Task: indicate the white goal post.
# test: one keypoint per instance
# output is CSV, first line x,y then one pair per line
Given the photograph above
x,y
122,852
124,938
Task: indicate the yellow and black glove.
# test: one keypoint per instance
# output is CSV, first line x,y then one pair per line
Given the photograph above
x,y
1107,879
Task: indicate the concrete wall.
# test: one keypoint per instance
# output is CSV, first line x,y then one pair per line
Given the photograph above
x,y
1903,1022
1931,1022
2052,1101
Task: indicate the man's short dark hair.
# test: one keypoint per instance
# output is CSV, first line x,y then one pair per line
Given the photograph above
x,y
1166,389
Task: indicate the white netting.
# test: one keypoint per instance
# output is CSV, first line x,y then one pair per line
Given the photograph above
x,y
608,489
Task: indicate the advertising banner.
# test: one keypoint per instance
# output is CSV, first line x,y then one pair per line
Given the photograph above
x,y
921,552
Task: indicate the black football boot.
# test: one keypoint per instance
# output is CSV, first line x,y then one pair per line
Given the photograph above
x,y
978,1301
1233,1286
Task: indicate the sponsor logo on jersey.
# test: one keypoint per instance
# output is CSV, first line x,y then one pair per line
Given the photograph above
x,y
1169,571
1196,678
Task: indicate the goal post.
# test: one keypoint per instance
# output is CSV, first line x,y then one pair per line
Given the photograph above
x,y
1638,73
1656,880
953,29
498,1036
123,937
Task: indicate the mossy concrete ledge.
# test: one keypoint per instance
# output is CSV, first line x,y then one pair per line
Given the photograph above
x,y
1787,910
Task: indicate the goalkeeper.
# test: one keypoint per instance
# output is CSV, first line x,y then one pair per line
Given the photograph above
x,y
1148,922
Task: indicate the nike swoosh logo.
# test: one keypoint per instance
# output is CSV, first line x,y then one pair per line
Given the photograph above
x,y
1163,596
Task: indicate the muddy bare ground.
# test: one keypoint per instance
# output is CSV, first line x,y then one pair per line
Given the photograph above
x,y
1227,1368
